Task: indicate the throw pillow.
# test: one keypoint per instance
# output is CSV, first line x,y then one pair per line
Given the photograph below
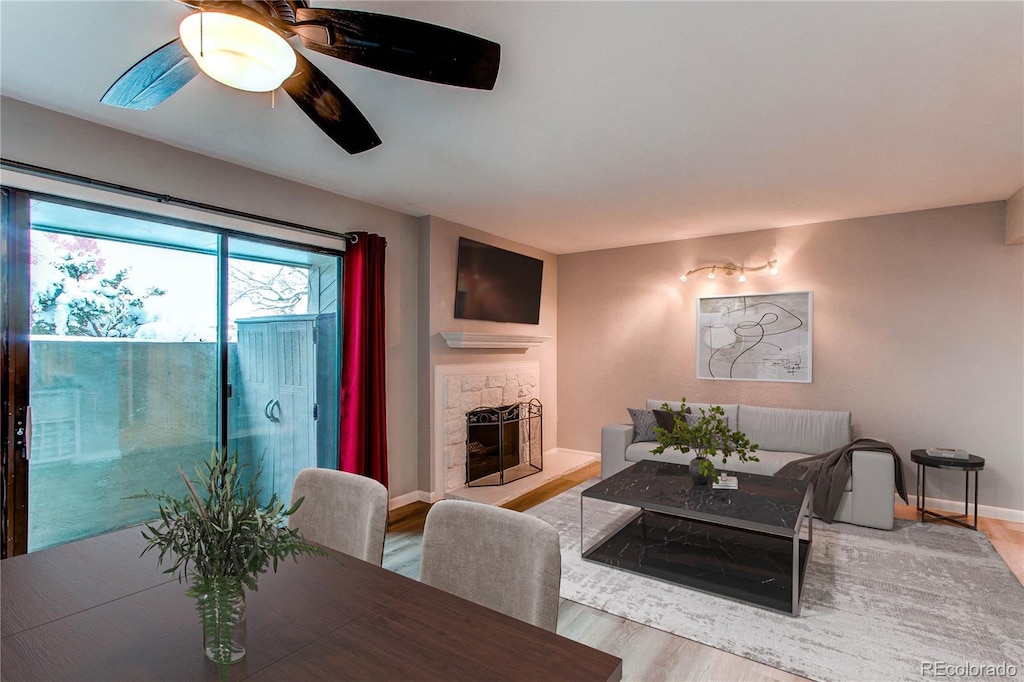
x,y
666,419
643,424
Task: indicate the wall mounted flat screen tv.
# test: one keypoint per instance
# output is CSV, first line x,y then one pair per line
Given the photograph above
x,y
497,285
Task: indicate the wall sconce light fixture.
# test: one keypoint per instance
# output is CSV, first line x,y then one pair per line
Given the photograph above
x,y
731,269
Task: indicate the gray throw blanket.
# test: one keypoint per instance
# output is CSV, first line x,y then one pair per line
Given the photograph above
x,y
830,472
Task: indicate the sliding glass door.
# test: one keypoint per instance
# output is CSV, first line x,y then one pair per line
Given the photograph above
x,y
135,346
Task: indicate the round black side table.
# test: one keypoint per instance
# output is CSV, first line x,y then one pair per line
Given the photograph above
x,y
972,463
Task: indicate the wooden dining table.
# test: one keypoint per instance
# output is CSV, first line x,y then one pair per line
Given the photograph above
x,y
94,610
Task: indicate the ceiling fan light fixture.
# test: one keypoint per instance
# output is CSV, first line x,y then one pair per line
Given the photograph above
x,y
236,51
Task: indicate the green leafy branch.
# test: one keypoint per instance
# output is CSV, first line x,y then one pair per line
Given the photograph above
x,y
706,435
228,534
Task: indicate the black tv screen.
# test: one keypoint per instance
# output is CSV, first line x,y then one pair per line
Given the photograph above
x,y
497,285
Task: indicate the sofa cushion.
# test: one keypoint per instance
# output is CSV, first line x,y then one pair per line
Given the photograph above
x,y
640,451
769,461
643,424
811,432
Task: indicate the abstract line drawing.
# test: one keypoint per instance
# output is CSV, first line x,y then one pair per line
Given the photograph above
x,y
757,337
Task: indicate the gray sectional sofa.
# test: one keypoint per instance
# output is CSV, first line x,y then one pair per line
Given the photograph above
x,y
783,436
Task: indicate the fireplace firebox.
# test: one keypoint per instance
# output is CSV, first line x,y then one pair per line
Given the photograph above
x,y
503,444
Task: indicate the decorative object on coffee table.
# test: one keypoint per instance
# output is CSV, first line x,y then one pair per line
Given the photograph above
x,y
726,482
706,434
220,545
924,459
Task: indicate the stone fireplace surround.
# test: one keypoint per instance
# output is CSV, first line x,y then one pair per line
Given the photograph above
x,y
461,388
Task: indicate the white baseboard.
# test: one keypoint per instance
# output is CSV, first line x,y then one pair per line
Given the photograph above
x,y
431,498
957,507
586,453
409,498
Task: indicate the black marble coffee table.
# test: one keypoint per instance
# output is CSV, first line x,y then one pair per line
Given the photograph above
x,y
743,544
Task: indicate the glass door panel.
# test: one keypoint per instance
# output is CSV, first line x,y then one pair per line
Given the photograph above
x,y
124,366
282,360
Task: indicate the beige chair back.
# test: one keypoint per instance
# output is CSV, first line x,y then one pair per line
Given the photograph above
x,y
343,511
499,558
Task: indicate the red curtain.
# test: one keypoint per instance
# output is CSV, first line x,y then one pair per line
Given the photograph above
x,y
362,439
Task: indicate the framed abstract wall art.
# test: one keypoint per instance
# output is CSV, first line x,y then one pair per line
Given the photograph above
x,y
755,337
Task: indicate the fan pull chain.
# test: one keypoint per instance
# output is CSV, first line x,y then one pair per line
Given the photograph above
x,y
272,94
201,34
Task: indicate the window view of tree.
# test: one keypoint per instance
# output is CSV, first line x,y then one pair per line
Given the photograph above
x,y
275,289
84,286
78,300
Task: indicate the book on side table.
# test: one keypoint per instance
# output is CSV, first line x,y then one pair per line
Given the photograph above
x,y
948,453
726,482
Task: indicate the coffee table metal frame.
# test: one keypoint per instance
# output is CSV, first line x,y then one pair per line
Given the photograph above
x,y
714,519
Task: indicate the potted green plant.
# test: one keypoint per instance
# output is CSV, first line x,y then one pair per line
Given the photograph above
x,y
704,435
220,542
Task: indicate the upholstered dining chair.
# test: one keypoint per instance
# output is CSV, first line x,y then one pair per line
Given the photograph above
x,y
498,558
343,511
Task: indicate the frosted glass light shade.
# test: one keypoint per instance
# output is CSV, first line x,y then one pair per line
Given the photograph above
x,y
237,52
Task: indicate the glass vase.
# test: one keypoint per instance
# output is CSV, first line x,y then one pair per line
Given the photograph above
x,y
222,608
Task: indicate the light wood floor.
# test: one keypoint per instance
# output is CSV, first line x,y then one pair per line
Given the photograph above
x,y
649,654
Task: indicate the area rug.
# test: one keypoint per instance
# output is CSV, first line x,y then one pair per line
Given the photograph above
x,y
877,605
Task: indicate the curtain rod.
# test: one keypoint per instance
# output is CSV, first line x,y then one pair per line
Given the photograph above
x,y
163,198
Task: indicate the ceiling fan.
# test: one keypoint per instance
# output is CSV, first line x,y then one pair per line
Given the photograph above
x,y
244,44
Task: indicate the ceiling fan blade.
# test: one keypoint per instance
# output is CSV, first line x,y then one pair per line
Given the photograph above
x,y
153,79
329,108
403,46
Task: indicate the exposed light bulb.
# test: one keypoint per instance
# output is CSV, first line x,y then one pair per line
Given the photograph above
x,y
682,278
711,275
236,51
774,271
743,276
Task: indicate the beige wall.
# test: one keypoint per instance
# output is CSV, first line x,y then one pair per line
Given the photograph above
x,y
918,331
438,258
1015,219
44,138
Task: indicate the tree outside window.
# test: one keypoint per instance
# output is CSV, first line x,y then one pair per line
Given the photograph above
x,y
88,287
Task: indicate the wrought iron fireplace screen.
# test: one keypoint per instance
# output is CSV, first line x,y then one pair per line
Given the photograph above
x,y
503,444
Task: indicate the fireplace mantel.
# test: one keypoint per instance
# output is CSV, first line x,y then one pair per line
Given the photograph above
x,y
489,340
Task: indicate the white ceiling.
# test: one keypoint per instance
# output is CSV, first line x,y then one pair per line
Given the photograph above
x,y
612,123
